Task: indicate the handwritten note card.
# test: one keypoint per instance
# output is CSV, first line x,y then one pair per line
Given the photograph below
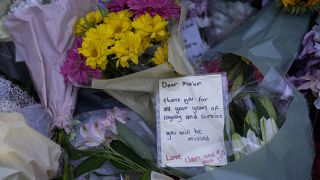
x,y
192,121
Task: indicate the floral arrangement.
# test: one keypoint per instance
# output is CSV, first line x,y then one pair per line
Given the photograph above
x,y
299,6
103,138
122,37
254,117
307,79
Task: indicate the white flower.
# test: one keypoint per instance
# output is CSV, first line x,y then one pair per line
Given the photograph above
x,y
102,131
268,129
243,146
92,135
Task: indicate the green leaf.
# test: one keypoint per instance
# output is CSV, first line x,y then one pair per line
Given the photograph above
x,y
75,154
235,71
104,12
232,129
72,135
91,163
134,141
119,165
145,176
67,170
261,111
125,151
229,61
237,143
237,82
266,102
252,120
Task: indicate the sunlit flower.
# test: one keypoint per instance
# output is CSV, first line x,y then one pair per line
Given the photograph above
x,y
74,69
161,55
299,3
95,46
128,48
90,20
120,22
165,8
151,27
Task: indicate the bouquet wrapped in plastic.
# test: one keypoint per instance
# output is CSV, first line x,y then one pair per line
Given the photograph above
x,y
44,64
139,47
261,116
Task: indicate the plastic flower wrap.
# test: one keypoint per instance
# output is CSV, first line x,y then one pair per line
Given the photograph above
x,y
298,6
132,37
24,153
45,64
257,112
12,6
209,22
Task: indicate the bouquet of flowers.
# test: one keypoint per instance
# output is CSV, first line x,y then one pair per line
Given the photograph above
x,y
263,108
256,111
125,47
298,6
131,38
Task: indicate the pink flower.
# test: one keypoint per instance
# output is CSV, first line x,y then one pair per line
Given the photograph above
x,y
212,66
74,68
165,8
117,5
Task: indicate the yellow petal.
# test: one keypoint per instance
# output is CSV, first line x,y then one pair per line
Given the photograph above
x,y
135,60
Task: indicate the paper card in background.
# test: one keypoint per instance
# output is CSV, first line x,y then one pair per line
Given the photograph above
x,y
195,46
192,121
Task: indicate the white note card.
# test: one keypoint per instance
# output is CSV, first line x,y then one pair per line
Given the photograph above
x,y
191,124
195,46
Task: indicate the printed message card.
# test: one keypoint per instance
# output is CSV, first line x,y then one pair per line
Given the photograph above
x,y
191,124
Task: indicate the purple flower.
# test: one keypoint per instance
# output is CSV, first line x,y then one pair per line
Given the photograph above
x,y
311,42
165,8
308,44
117,5
75,70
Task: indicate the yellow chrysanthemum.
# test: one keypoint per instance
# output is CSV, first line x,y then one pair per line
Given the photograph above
x,y
95,46
152,27
121,16
302,3
120,22
90,20
128,48
161,55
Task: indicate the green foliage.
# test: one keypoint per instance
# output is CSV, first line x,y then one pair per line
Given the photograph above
x,y
91,163
133,141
